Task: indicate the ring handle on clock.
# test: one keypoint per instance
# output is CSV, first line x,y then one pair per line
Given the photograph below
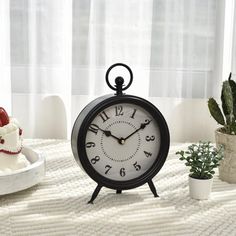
x,y
119,80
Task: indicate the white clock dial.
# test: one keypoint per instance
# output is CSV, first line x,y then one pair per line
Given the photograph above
x,y
123,142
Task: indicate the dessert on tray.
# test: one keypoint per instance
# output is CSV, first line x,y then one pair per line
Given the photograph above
x,y
11,158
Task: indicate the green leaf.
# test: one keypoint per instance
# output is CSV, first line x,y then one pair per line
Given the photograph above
x,y
233,89
227,98
215,111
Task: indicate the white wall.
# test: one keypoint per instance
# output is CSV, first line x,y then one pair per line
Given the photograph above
x,y
188,119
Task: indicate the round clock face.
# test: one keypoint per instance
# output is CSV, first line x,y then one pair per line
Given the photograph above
x,y
122,141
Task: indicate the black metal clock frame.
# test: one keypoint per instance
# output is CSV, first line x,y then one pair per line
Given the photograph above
x,y
84,121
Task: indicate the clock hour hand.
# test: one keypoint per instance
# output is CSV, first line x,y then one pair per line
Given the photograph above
x,y
142,126
109,134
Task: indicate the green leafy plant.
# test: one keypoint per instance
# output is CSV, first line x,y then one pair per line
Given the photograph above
x,y
202,158
227,118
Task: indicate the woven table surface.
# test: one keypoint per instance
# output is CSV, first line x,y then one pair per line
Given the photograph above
x,y
58,205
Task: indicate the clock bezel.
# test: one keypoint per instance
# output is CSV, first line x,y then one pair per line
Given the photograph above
x,y
93,109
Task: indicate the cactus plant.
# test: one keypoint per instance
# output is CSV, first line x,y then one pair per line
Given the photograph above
x,y
227,118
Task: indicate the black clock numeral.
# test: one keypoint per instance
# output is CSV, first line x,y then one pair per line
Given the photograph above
x,y
122,172
93,128
95,160
136,166
90,144
147,154
132,116
104,116
108,167
150,138
119,111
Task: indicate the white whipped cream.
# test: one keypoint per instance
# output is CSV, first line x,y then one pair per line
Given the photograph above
x,y
12,143
12,126
10,134
10,163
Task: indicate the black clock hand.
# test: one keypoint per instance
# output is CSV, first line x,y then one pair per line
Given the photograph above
x,y
142,126
109,134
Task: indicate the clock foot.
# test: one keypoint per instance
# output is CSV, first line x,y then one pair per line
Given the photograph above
x,y
153,189
118,191
95,194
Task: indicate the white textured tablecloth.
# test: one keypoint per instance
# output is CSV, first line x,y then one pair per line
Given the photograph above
x,y
58,205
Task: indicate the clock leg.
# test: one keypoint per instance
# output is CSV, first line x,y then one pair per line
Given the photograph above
x,y
153,189
118,191
95,194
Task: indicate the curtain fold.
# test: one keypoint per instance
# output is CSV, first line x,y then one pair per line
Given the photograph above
x,y
234,45
5,72
41,65
107,32
183,43
54,54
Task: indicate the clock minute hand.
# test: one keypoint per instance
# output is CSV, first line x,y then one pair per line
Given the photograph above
x,y
142,126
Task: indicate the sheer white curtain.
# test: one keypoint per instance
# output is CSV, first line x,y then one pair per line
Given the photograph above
x,y
56,53
107,32
234,47
183,45
41,66
5,70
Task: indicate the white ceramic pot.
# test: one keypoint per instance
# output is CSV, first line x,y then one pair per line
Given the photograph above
x,y
200,188
227,168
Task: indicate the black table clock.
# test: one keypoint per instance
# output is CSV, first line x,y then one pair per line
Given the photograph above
x,y
121,141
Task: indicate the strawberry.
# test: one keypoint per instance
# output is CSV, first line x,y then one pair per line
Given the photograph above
x,y
4,118
20,131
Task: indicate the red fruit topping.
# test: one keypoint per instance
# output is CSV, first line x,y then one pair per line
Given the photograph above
x,y
1,123
20,132
3,117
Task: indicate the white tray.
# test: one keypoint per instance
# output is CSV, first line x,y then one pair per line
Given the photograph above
x,y
25,177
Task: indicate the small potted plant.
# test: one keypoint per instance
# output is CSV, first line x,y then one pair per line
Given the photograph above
x,y
202,158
